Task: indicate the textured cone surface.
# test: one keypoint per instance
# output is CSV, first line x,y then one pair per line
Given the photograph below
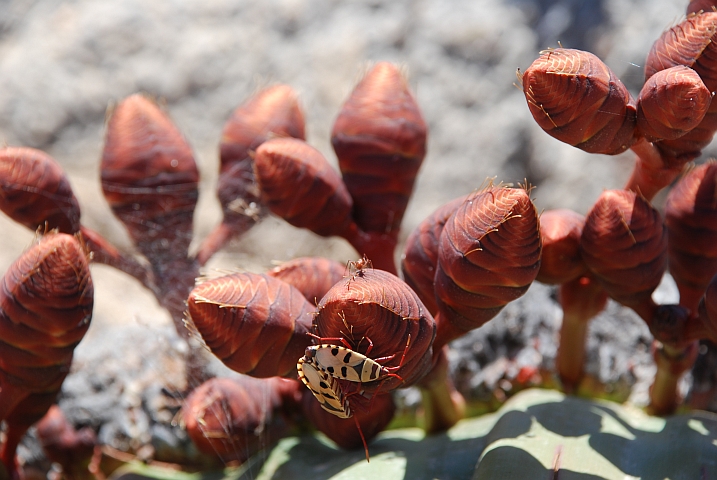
x,y
45,309
380,141
46,303
697,6
691,220
299,185
624,243
149,177
688,43
677,152
233,418
255,324
420,257
577,99
489,255
34,190
671,103
272,112
312,276
560,231
376,305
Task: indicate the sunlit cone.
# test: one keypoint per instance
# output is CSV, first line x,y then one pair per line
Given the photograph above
x,y
577,99
312,276
46,305
35,192
560,232
255,324
149,178
150,181
697,6
489,255
380,141
420,257
378,306
624,244
691,220
689,146
299,185
272,112
671,103
689,43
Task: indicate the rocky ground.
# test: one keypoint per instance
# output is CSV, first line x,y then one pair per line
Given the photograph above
x,y
62,64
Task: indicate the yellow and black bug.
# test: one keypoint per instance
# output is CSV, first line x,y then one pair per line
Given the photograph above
x,y
347,364
327,391
325,388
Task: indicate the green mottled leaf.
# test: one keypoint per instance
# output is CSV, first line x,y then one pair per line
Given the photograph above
x,y
535,435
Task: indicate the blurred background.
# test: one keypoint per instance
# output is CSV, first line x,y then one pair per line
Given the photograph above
x,y
63,64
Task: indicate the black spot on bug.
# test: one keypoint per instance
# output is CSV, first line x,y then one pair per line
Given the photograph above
x,y
323,385
347,357
344,372
334,351
330,370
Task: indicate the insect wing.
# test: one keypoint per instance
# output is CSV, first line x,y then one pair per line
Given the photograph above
x,y
324,387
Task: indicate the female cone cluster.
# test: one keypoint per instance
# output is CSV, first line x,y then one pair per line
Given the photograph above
x,y
623,246
481,252
358,329
466,261
486,254
45,309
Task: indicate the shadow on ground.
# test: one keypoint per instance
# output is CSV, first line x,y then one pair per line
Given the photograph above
x,y
538,434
